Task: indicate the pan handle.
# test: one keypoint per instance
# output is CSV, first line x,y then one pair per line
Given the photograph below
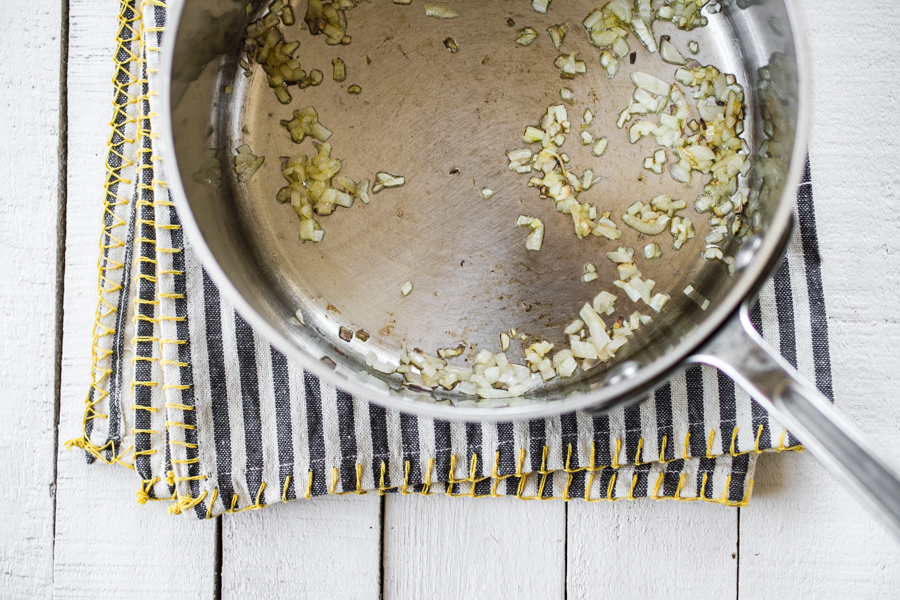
x,y
740,352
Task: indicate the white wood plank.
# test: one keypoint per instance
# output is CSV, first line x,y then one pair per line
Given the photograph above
x,y
325,548
29,78
803,535
442,547
106,544
651,549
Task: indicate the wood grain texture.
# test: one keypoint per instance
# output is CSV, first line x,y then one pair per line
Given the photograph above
x,y
325,548
106,544
648,549
802,534
442,547
29,161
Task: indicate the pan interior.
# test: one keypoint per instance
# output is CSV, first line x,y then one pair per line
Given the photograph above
x,y
445,121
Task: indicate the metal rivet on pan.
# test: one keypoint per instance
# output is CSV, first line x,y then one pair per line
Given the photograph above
x,y
620,373
747,251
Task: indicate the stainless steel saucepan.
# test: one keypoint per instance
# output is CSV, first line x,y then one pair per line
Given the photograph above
x,y
445,120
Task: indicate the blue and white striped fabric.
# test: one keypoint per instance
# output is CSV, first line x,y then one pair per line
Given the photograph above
x,y
215,419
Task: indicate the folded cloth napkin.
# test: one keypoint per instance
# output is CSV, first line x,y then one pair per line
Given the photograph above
x,y
212,418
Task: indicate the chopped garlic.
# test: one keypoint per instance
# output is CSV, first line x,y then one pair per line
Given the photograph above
x,y
407,288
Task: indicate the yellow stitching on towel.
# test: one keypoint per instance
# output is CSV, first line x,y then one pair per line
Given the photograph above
x,y
359,475
403,487
637,454
287,481
659,480
212,503
178,406
381,486
143,494
426,489
544,475
681,479
309,483
107,306
709,444
615,458
184,503
565,495
182,444
734,434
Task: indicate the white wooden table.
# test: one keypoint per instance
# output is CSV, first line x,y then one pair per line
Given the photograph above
x,y
69,530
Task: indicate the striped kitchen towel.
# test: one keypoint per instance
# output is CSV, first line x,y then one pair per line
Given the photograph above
x,y
213,419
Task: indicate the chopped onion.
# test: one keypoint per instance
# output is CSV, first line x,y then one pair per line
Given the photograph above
x,y
451,352
587,118
574,327
621,255
697,297
557,34
339,70
526,36
406,289
569,66
599,147
487,193
652,84
504,341
589,273
567,95
354,89
440,11
299,315
658,301
670,54
535,238
387,180
586,138
694,47
246,164
682,230
451,45
603,303
712,252
306,123
540,6
652,251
